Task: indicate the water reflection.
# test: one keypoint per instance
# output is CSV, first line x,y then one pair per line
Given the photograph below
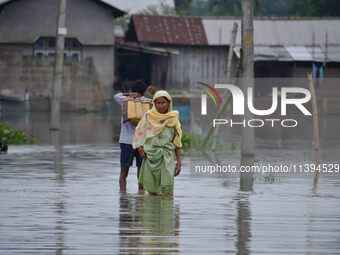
x,y
148,224
75,129
60,229
246,179
129,229
243,210
243,226
58,154
59,204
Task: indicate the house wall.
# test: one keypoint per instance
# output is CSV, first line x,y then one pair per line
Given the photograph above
x,y
103,62
81,89
193,64
22,22
25,49
329,86
209,63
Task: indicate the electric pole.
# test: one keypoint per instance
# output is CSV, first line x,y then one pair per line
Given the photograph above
x,y
58,67
247,133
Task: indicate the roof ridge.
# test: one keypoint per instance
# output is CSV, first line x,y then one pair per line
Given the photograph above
x,y
239,17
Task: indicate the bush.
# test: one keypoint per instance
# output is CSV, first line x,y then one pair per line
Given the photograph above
x,y
186,141
9,135
194,141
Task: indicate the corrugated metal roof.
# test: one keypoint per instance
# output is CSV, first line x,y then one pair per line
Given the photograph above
x,y
283,39
274,39
317,53
146,49
299,53
333,53
294,53
270,53
276,32
169,30
308,53
266,53
218,31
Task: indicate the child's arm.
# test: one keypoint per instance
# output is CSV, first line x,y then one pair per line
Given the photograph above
x,y
119,97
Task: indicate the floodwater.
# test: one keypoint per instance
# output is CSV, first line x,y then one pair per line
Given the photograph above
x,y
62,197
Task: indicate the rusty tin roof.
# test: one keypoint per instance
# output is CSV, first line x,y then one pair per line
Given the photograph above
x,y
170,30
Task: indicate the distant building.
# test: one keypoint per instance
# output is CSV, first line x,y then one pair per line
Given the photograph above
x,y
172,51
27,46
283,48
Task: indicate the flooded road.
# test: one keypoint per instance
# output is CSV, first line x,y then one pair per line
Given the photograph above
x,y
61,197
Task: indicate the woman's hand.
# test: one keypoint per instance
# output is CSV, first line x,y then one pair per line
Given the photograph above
x,y
178,163
177,168
141,152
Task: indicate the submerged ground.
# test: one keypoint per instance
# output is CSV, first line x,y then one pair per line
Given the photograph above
x,y
61,197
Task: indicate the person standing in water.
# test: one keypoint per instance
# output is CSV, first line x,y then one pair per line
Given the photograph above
x,y
127,153
158,141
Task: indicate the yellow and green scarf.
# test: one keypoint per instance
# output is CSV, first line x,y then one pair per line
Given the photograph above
x,y
153,123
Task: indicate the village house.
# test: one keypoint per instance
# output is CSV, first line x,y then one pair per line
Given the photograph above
x,y
192,49
167,51
27,48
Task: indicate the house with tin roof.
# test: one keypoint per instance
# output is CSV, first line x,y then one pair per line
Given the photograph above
x,y
283,48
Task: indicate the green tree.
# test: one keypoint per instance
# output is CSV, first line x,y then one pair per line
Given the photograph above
x,y
302,8
224,7
183,7
315,8
273,8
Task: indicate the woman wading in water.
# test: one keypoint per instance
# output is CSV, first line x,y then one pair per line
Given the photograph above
x,y
158,141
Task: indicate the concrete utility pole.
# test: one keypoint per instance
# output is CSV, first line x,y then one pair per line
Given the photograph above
x,y
58,68
315,131
247,133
